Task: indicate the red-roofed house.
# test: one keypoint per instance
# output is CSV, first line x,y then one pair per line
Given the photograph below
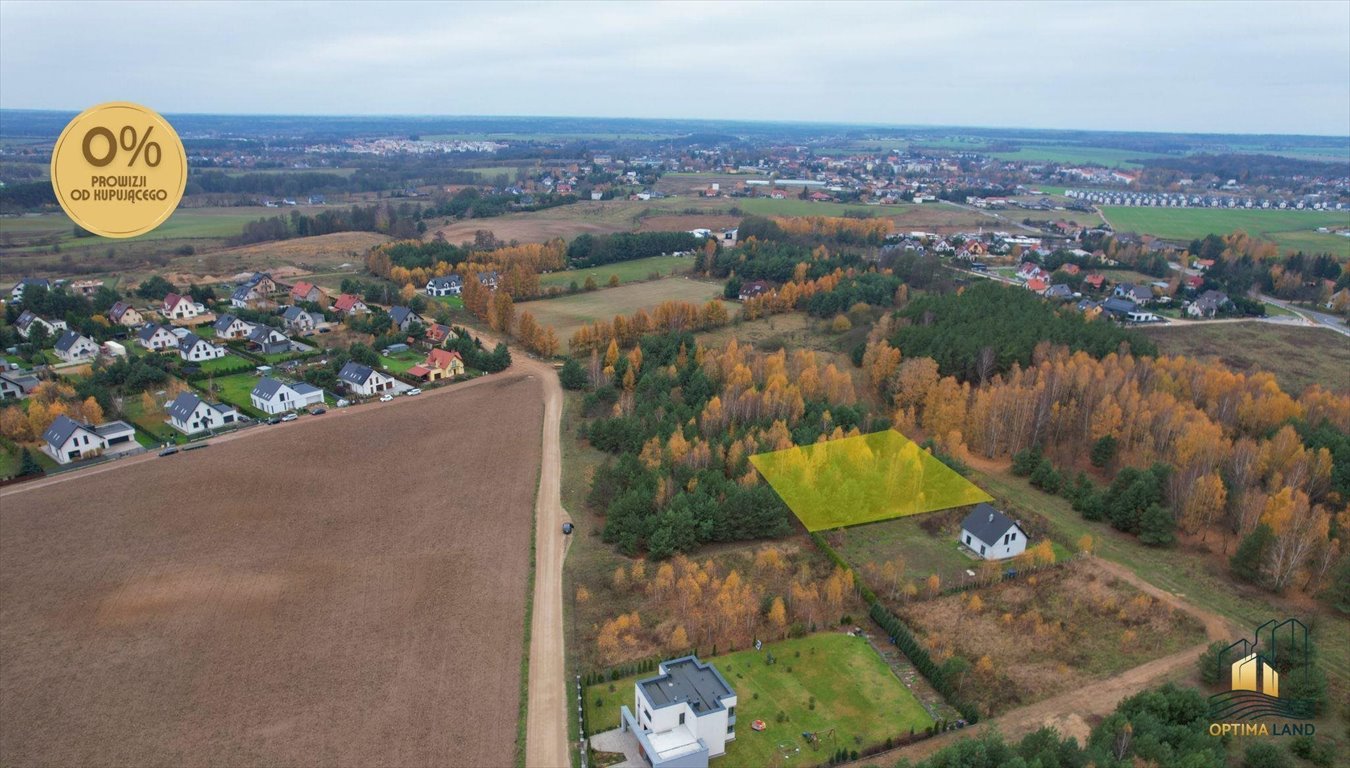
x,y
179,307
438,334
1070,269
305,291
440,364
1194,281
1096,280
349,304
1036,284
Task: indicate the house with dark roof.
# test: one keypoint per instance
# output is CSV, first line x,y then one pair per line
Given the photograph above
x,y
126,315
195,349
67,440
299,321
16,293
1058,291
1207,304
156,338
684,715
267,340
404,318
489,279
273,396
363,380
190,414
753,288
27,321
74,347
229,327
1139,294
991,534
16,384
438,334
450,285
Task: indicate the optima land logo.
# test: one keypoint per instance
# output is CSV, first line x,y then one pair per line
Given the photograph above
x,y
1253,669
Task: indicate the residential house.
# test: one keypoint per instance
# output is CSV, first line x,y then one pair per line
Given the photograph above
x,y
1058,291
1069,268
176,307
1090,309
363,380
753,288
126,315
991,534
349,304
156,338
299,321
74,347
190,414
272,396
263,284
450,285
1028,271
440,364
438,334
489,279
1037,285
684,715
1207,304
229,327
307,291
67,440
16,384
195,349
267,340
404,318
27,321
1095,281
86,288
16,293
1139,294
246,296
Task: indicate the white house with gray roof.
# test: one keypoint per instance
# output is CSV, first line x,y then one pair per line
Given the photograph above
x,y
299,320
268,340
195,349
991,534
28,320
450,285
16,293
190,414
67,440
685,715
16,384
74,347
272,396
156,338
230,327
363,380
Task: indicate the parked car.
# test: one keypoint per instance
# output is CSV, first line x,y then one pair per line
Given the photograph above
x,y
290,417
274,420
168,451
386,398
318,412
413,391
343,403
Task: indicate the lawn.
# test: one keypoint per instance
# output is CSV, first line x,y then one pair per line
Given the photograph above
x,y
226,363
855,694
1297,355
628,271
235,390
863,479
157,428
1283,227
453,302
568,313
402,361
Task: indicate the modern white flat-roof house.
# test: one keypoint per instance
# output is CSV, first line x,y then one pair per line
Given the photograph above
x,y
685,715
190,414
991,534
272,396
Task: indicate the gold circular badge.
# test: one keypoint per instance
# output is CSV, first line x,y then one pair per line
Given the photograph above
x,y
119,169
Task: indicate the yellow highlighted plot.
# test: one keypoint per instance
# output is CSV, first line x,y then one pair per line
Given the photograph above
x,y
863,479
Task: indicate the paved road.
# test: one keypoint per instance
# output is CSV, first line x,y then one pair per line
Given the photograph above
x,y
1311,316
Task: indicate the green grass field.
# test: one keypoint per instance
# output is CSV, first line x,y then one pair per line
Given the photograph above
x,y
184,224
855,694
628,271
235,391
791,206
402,361
1071,154
228,362
1288,229
863,479
568,313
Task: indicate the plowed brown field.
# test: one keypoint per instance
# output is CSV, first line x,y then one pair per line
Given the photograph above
x,y
345,590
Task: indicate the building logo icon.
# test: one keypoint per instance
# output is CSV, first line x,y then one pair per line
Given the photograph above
x,y
1253,669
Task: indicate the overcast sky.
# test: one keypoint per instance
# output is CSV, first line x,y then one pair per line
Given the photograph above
x,y
1279,67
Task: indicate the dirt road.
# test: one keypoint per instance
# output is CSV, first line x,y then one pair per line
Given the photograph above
x,y
1068,712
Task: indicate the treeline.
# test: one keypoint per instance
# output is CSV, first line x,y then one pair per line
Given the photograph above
x,y
987,328
404,221
777,262
303,183
682,422
1165,726
667,317
815,230
593,250
26,197
473,203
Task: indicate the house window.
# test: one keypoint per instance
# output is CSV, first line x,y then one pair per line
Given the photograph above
x,y
967,538
681,718
731,712
1012,536
982,549
731,730
1006,538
